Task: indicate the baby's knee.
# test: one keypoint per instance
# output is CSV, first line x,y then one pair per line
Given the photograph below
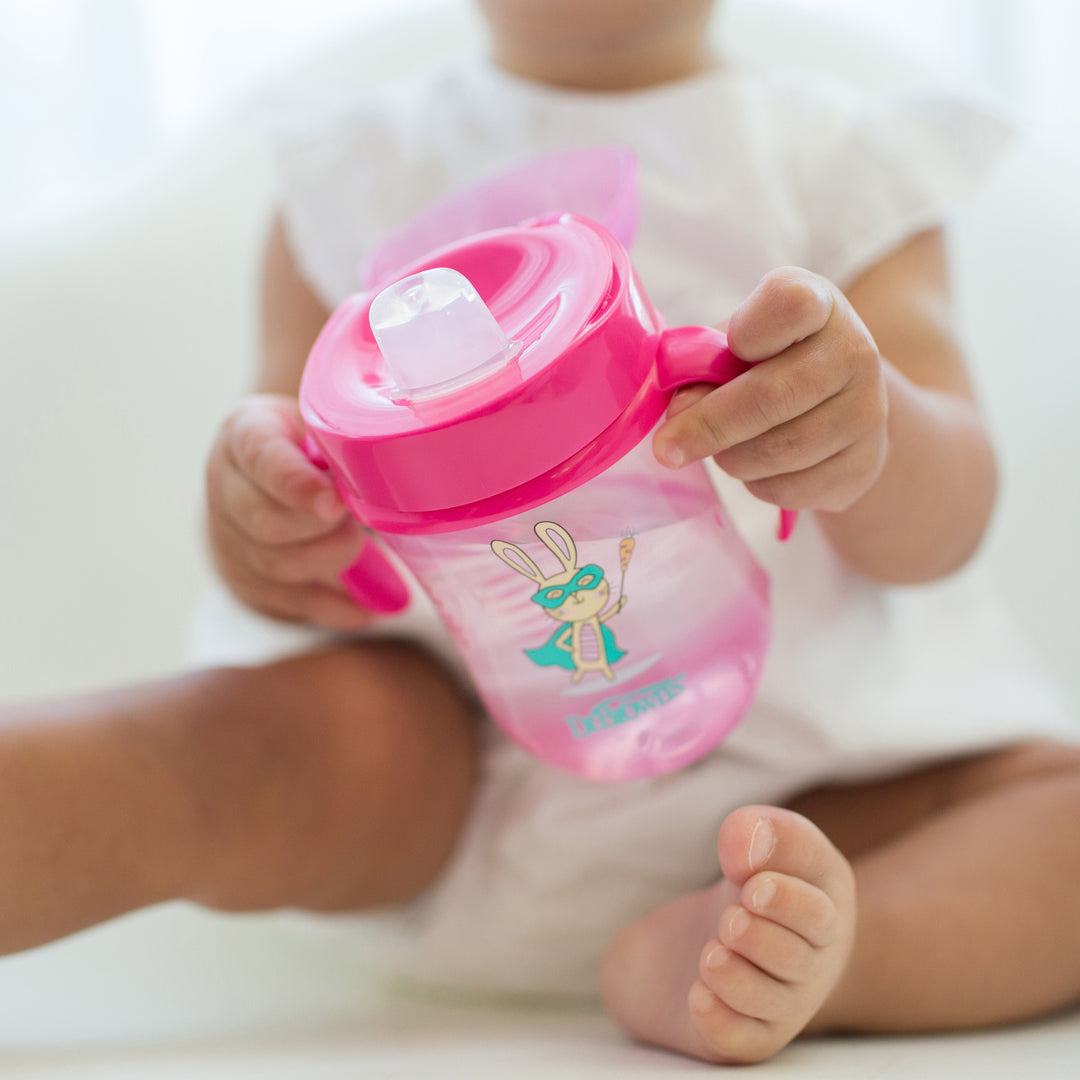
x,y
340,779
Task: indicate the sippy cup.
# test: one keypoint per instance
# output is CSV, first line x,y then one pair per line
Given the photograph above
x,y
489,414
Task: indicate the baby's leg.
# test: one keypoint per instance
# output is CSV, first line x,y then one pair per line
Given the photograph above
x,y
963,913
968,910
332,781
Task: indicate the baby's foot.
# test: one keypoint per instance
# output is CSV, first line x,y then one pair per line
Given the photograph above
x,y
777,935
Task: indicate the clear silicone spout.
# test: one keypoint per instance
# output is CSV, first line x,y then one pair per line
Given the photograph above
x,y
435,333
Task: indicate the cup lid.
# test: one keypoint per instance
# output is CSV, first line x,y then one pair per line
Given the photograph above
x,y
563,292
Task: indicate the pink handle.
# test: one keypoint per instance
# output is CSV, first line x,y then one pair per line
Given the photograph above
x,y
694,354
372,581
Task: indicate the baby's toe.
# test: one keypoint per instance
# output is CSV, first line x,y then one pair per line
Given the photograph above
x,y
742,986
776,950
757,838
794,904
727,1036
779,951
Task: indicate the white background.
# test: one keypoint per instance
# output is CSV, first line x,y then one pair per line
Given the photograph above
x,y
91,88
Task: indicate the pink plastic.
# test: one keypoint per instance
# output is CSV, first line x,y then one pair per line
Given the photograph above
x,y
543,470
406,460
520,497
521,436
374,583
618,631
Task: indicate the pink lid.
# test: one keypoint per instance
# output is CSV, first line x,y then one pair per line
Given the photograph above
x,y
564,290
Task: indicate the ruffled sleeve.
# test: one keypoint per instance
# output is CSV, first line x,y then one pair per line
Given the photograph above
x,y
871,173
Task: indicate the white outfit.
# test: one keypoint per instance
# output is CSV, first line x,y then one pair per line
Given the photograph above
x,y
740,172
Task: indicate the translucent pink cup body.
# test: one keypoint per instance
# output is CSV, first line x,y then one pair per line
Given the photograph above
x,y
666,677
612,620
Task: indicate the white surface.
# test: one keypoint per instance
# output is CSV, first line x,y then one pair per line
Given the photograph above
x,y
177,993
104,428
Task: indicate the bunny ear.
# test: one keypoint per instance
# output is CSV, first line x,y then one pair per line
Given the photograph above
x,y
551,534
517,560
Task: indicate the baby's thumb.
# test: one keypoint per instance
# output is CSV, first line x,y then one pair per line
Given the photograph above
x,y
686,396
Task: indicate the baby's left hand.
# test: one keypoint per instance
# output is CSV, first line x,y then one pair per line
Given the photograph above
x,y
804,428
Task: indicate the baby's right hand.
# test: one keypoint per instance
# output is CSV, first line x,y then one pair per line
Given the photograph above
x,y
279,532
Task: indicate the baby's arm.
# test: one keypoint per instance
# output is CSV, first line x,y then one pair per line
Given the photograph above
x,y
279,534
860,409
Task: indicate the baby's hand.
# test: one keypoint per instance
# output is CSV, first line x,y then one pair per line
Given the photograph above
x,y
279,532
805,428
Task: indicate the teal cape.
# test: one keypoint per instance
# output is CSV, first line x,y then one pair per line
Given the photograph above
x,y
550,655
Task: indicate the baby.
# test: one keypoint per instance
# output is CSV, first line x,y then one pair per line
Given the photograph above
x,y
930,889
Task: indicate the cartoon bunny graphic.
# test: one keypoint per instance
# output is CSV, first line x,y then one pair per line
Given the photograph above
x,y
575,598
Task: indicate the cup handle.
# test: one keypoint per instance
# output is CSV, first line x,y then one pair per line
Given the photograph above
x,y
372,580
695,354
374,583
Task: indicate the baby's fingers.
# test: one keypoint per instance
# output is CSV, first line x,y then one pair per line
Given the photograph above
x,y
787,306
260,517
262,441
322,559
808,346
761,399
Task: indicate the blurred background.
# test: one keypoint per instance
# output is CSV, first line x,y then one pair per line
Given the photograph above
x,y
91,89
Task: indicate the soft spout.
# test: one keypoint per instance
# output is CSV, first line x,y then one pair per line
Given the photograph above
x,y
435,333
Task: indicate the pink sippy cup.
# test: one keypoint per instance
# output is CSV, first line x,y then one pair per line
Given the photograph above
x,y
489,414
